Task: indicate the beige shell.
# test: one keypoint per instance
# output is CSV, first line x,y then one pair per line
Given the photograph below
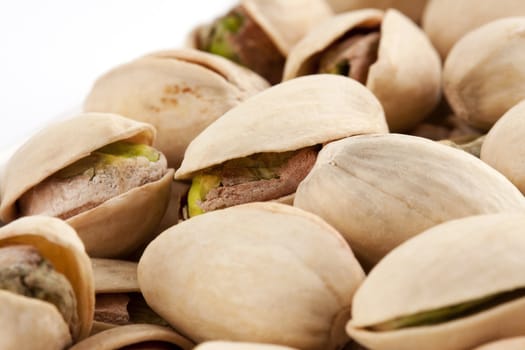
x,y
118,218
452,263
406,78
115,276
504,146
461,16
58,243
118,337
295,114
224,345
179,92
411,8
483,76
256,272
517,343
380,190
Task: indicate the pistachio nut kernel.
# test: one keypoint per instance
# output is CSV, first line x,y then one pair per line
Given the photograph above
x,y
25,272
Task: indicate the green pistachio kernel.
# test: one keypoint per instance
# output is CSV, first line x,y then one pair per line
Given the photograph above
x,y
200,186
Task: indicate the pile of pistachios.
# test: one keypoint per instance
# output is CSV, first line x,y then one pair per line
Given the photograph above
x,y
305,174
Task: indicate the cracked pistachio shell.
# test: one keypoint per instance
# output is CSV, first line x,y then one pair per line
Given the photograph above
x,y
179,92
115,276
504,146
461,16
117,226
292,115
224,345
119,337
406,78
380,190
483,75
516,343
258,272
57,242
452,263
411,8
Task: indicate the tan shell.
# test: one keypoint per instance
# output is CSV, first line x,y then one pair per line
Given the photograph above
x,y
224,345
380,190
461,16
504,146
292,115
57,242
471,258
115,276
118,337
179,92
406,78
411,8
256,272
483,76
119,217
517,343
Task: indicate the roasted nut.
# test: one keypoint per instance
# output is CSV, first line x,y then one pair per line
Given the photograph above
x,y
258,272
380,190
384,51
411,8
179,92
455,286
98,154
517,343
224,345
483,76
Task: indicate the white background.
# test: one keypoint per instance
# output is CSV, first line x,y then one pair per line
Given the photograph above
x,y
52,51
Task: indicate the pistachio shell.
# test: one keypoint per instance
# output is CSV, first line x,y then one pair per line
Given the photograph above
x,y
58,242
121,216
179,92
460,17
504,146
471,258
295,114
517,343
483,76
31,324
224,345
411,8
115,276
406,78
380,190
118,337
257,272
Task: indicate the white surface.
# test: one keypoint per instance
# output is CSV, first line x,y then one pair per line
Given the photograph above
x,y
52,51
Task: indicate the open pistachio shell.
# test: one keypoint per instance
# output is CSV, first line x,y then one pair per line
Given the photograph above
x,y
224,345
292,115
461,16
516,343
454,265
411,8
115,276
59,244
483,76
256,272
406,78
504,146
380,190
179,92
117,226
119,337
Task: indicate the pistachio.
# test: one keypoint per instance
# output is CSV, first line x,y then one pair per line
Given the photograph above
x,y
516,343
224,345
393,310
411,8
469,145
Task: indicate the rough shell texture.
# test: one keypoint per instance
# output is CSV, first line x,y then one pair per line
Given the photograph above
x,y
453,253
451,14
58,242
411,8
406,78
31,324
180,92
118,337
257,272
380,190
483,76
284,29
223,345
517,343
115,276
298,113
504,146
